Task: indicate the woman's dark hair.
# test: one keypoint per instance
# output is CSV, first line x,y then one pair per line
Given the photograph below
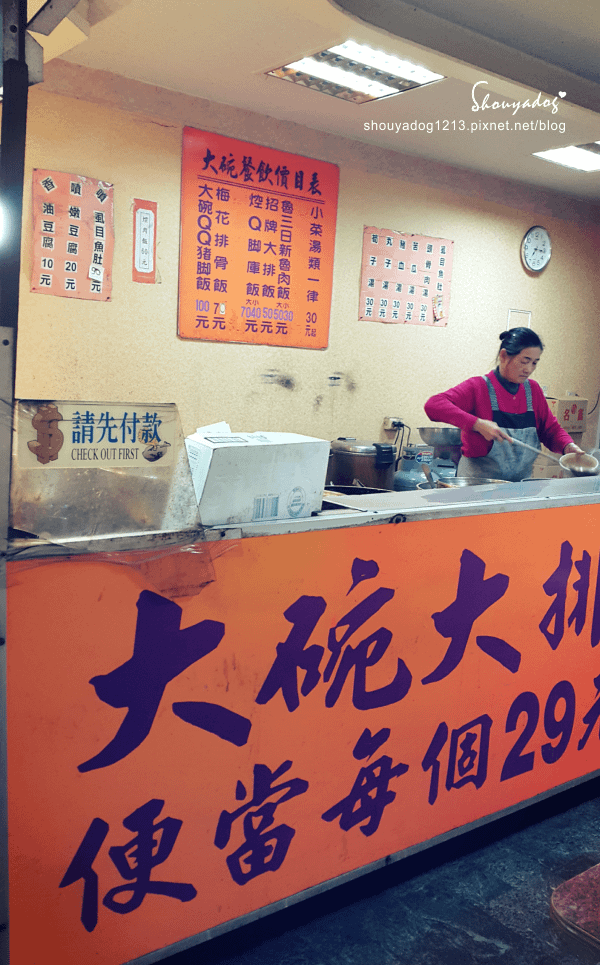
x,y
516,339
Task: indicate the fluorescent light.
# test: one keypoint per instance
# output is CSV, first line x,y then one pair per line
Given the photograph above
x,y
385,62
355,73
572,157
320,68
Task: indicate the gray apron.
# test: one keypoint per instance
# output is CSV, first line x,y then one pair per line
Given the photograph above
x,y
505,461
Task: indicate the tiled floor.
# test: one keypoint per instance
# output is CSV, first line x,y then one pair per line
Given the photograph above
x,y
479,900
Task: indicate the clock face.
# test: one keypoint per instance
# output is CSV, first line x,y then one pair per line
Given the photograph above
x,y
536,248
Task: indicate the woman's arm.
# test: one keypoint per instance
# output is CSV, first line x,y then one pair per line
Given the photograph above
x,y
551,433
456,406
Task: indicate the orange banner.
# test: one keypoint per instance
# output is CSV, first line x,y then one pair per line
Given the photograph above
x,y
329,699
257,243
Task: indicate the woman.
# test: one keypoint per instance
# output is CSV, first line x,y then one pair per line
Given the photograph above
x,y
490,409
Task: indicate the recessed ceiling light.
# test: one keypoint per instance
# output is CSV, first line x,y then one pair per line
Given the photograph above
x,y
386,62
356,73
580,158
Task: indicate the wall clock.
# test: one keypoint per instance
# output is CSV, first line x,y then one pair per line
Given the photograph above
x,y
536,248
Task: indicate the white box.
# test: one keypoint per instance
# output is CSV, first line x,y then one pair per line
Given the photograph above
x,y
243,477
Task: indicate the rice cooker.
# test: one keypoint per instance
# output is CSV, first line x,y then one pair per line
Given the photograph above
x,y
368,464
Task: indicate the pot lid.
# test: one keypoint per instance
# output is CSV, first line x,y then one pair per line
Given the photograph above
x,y
363,448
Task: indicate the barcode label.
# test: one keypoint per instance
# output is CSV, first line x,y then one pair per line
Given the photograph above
x,y
266,507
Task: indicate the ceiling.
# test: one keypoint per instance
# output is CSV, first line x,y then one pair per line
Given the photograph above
x,y
512,50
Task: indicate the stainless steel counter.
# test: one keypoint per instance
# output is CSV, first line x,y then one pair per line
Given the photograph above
x,y
399,507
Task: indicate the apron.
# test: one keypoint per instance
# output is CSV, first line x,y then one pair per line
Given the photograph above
x,y
505,461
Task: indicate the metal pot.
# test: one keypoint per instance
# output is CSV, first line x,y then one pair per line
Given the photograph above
x,y
440,435
370,463
459,482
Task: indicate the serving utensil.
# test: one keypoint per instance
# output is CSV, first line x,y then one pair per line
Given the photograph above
x,y
577,463
429,475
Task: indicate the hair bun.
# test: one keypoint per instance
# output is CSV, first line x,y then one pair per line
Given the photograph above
x,y
504,335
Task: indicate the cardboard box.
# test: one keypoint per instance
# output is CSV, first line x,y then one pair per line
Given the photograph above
x,y
243,477
542,469
571,412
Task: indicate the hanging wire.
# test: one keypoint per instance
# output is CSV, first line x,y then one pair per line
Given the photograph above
x,y
400,434
595,404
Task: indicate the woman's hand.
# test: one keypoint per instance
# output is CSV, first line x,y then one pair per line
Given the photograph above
x,y
490,431
573,448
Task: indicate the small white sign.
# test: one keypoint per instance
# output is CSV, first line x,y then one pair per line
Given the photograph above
x,y
144,241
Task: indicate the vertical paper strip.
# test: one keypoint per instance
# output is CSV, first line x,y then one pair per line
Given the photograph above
x,y
145,215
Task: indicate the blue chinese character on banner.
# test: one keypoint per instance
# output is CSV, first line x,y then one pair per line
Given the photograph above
x,y
265,847
161,651
151,846
467,757
557,585
474,596
293,654
370,793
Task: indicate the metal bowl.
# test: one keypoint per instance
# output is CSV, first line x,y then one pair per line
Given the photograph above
x,y
440,435
580,464
458,482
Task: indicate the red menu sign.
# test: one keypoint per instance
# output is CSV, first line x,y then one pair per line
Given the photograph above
x,y
257,243
405,279
73,236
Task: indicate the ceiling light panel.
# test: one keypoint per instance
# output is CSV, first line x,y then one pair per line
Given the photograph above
x,y
579,158
355,73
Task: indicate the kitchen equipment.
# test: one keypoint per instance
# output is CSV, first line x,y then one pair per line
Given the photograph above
x,y
411,467
580,464
440,435
446,447
577,463
369,463
459,482
429,476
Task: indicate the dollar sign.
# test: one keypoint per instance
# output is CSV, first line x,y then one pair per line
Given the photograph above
x,y
49,437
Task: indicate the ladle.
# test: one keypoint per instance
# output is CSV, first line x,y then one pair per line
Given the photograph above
x,y
430,476
526,445
592,469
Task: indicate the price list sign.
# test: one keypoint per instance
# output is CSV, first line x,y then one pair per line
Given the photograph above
x,y
73,236
257,243
405,279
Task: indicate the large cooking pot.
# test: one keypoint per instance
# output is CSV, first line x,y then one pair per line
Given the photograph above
x,y
370,463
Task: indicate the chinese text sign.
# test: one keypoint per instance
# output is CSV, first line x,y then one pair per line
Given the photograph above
x,y
257,243
68,435
145,214
176,763
73,236
405,279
